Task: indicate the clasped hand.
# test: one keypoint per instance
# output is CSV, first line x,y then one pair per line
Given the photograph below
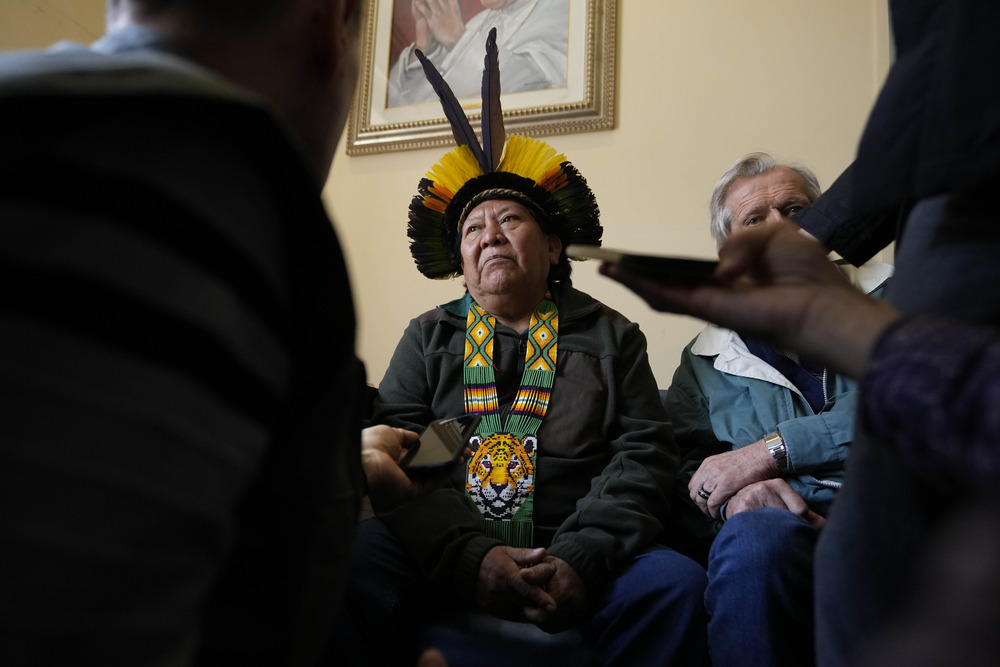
x,y
772,493
746,479
722,475
436,22
528,585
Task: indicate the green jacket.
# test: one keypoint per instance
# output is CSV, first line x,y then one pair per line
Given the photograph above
x,y
606,458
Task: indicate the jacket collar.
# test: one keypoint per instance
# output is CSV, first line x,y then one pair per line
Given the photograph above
x,y
130,61
134,38
572,303
734,358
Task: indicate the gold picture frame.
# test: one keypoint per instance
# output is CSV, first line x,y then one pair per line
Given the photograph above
x,y
585,103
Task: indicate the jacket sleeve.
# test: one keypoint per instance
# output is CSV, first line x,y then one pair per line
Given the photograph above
x,y
837,223
438,529
822,441
688,410
624,511
932,388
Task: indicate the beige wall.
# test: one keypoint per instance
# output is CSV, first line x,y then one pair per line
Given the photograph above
x,y
699,84
34,23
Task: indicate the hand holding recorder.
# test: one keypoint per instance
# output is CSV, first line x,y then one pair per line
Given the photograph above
x,y
399,466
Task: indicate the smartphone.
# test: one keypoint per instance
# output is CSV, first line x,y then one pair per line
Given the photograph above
x,y
684,271
440,445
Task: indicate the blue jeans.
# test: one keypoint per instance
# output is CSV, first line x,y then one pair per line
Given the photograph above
x,y
760,590
652,614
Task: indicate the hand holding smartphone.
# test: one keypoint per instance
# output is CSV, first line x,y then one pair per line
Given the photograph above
x,y
682,271
440,446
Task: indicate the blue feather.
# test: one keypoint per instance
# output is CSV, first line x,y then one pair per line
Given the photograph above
x,y
494,135
460,125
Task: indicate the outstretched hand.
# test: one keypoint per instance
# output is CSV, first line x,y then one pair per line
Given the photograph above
x,y
775,283
382,447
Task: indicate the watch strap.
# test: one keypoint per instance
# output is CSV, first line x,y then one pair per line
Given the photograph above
x,y
779,452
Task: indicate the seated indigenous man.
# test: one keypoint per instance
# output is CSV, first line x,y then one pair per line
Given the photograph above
x,y
764,435
556,516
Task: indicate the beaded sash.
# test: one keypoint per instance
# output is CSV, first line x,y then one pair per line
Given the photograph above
x,y
500,479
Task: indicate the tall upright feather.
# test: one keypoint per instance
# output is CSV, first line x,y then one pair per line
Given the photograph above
x,y
494,135
460,125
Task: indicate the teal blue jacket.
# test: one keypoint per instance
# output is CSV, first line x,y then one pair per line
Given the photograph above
x,y
722,397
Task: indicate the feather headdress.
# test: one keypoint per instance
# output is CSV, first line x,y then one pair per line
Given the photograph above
x,y
502,167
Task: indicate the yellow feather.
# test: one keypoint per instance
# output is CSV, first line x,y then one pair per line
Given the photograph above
x,y
529,157
455,169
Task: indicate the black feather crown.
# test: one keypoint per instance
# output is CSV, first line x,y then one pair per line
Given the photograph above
x,y
517,167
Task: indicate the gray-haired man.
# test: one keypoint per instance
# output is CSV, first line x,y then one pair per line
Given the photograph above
x,y
764,435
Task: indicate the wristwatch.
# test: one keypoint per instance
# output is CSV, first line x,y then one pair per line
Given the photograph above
x,y
776,446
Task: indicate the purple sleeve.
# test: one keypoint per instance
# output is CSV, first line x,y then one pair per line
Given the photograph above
x,y
932,388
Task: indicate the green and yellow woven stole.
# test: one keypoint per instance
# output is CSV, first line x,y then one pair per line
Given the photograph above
x,y
500,479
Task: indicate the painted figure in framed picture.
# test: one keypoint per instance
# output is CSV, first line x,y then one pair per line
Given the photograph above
x,y
533,35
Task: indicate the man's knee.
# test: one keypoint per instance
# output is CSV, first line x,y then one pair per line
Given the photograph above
x,y
761,538
665,575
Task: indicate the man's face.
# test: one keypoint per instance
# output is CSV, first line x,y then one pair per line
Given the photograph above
x,y
505,251
766,198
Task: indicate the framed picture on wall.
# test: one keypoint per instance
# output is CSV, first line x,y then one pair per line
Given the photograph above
x,y
557,69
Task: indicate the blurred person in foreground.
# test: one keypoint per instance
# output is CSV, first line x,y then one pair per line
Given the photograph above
x,y
906,565
180,471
